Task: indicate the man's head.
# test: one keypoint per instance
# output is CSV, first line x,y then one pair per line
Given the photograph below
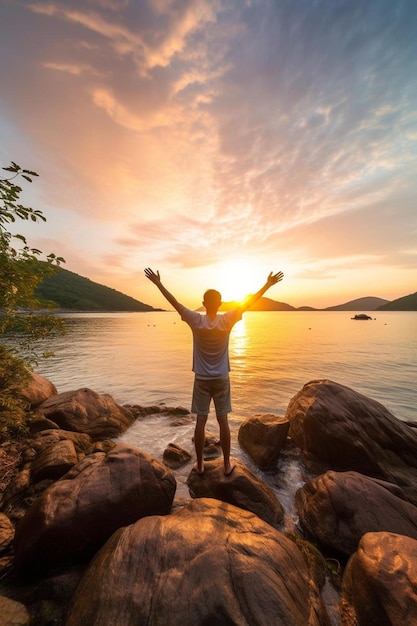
x,y
212,300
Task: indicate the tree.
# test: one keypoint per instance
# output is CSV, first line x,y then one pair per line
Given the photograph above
x,y
21,270
21,267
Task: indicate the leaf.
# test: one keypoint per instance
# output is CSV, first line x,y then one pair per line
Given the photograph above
x,y
21,237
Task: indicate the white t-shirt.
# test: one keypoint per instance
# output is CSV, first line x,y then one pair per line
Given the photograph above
x,y
211,341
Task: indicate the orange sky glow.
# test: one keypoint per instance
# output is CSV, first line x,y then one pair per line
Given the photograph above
x,y
217,140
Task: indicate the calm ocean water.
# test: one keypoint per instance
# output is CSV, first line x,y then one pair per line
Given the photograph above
x,y
145,358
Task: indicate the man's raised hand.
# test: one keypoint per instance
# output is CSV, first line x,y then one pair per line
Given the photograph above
x,y
274,278
154,278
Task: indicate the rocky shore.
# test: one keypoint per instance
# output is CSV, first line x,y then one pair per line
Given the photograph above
x,y
91,533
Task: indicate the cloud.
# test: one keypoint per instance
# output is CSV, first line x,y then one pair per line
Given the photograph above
x,y
198,129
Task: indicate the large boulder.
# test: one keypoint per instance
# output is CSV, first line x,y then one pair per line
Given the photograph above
x,y
379,586
240,488
262,437
348,431
86,411
74,517
337,508
37,389
207,563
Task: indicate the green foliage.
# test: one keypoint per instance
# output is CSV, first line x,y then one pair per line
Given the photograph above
x,y
13,376
21,269
71,291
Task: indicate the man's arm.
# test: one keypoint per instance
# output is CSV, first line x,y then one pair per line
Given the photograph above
x,y
156,280
271,280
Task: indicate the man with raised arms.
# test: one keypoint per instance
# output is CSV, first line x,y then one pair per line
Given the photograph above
x,y
211,365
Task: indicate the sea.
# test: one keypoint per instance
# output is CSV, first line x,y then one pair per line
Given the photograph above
x,y
146,358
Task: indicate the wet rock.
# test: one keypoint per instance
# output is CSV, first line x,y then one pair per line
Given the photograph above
x,y
73,517
88,412
338,508
348,431
241,488
174,456
262,437
207,563
379,586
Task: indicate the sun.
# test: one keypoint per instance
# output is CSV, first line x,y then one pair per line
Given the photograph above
x,y
237,278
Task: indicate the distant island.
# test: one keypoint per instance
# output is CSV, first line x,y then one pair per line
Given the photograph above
x,y
69,291
266,304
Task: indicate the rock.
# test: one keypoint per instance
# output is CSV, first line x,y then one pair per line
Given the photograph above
x,y
74,517
207,563
38,423
348,431
177,410
38,389
379,586
48,599
56,452
54,461
6,563
262,437
82,442
14,493
13,613
6,532
337,508
241,488
174,456
86,411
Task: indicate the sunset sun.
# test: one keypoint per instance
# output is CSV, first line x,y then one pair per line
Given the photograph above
x,y
236,278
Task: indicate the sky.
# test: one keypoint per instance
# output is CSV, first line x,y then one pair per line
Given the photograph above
x,y
216,141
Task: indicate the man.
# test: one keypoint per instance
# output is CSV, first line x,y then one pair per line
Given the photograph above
x,y
211,360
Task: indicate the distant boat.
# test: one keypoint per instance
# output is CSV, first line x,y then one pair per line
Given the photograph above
x,y
361,316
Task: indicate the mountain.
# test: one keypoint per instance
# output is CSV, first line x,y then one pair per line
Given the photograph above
x,y
406,303
68,290
369,303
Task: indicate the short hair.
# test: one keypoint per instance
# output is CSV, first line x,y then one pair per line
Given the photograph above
x,y
212,297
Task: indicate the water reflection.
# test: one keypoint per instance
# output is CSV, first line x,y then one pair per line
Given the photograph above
x,y
146,358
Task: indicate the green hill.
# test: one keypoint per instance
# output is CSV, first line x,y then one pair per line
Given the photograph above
x,y
369,303
67,290
406,303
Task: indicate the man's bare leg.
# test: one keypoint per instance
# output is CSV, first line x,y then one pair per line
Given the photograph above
x,y
225,443
199,439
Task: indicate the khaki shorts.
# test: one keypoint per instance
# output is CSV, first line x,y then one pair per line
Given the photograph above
x,y
217,389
